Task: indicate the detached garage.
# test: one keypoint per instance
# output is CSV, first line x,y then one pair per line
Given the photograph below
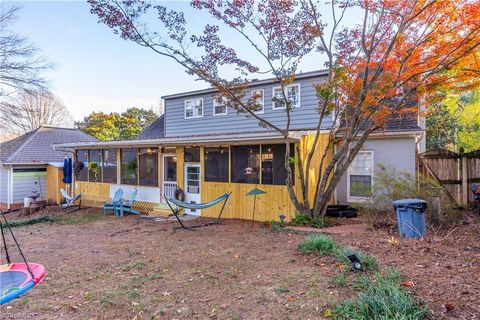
x,y
24,161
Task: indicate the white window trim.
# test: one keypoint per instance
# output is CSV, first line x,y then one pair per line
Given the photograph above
x,y
286,88
360,199
215,104
263,100
185,108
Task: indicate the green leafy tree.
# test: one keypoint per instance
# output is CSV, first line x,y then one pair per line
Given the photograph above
x,y
454,122
114,126
100,125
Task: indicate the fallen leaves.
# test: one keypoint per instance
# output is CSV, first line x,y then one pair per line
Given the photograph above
x,y
407,283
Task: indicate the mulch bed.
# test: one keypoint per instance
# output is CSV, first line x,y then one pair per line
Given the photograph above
x,y
109,268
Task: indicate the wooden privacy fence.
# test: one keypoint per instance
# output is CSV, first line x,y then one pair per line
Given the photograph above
x,y
456,172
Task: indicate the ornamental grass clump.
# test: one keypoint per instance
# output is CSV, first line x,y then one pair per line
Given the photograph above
x,y
321,244
382,298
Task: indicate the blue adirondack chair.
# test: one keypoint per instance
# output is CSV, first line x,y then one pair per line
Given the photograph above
x,y
117,198
127,205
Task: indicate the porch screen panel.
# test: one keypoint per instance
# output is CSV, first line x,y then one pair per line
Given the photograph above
x,y
273,168
192,154
245,164
216,164
82,157
148,167
110,165
95,166
129,166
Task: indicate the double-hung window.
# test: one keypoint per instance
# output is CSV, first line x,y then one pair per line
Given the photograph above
x,y
258,100
219,106
292,93
194,108
360,177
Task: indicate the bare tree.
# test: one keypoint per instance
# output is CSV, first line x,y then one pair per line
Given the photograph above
x,y
28,110
21,67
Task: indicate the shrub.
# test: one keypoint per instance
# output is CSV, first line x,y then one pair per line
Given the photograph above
x,y
382,299
321,244
391,184
303,220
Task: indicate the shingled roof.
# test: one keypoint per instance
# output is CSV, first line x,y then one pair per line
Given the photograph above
x,y
156,130
37,146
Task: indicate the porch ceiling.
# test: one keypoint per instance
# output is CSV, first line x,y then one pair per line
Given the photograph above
x,y
233,139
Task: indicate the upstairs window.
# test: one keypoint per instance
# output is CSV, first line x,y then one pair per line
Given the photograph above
x,y
219,106
193,108
360,176
258,101
292,92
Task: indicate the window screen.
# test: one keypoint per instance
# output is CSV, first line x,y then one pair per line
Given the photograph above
x,y
110,165
82,157
95,166
192,154
245,164
148,167
273,164
129,166
360,175
216,164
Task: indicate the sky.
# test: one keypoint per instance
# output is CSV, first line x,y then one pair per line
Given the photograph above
x,y
96,70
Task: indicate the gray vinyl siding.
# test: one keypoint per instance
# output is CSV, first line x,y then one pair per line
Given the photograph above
x,y
398,153
4,184
23,184
305,117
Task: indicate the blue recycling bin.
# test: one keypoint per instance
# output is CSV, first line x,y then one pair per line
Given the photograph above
x,y
411,217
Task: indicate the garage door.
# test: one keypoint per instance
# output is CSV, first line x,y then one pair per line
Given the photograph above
x,y
25,180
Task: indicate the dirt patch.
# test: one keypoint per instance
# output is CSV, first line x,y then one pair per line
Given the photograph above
x,y
101,267
121,268
444,267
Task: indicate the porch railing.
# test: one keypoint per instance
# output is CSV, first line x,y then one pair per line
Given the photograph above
x,y
169,189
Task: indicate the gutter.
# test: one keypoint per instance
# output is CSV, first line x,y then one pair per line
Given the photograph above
x,y
179,141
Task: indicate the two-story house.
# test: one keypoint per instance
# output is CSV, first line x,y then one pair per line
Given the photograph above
x,y
207,149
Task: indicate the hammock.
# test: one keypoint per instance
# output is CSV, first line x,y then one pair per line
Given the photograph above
x,y
176,206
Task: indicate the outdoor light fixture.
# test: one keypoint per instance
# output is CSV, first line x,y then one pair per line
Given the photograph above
x,y
221,150
356,264
162,149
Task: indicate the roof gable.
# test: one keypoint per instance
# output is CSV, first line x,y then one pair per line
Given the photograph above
x,y
37,146
156,130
